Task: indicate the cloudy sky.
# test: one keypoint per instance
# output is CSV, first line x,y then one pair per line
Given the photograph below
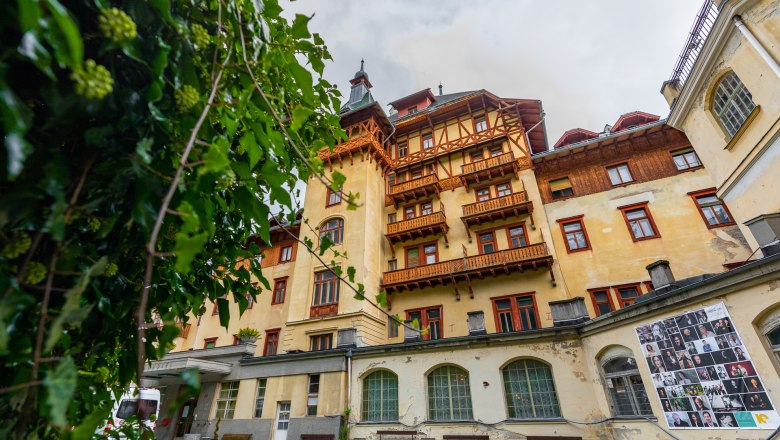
x,y
588,61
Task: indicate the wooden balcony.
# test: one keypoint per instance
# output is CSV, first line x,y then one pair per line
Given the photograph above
x,y
489,168
424,186
464,269
324,310
418,227
499,208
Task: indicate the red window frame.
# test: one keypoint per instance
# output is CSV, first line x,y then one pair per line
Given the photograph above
x,y
286,254
271,345
391,218
422,261
514,312
321,342
483,194
570,220
332,198
280,291
215,310
437,330
424,210
620,178
410,212
250,301
495,150
481,244
402,147
624,302
481,124
208,341
596,302
479,155
710,192
648,216
392,265
498,191
336,233
509,235
416,173
426,141
319,288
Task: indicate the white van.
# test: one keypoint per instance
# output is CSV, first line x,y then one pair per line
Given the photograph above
x,y
141,402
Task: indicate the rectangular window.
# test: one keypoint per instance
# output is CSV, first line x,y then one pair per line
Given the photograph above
x,y
333,197
574,234
426,208
476,155
392,265
428,251
409,212
640,222
627,295
391,180
602,302
515,313
416,173
685,159
391,218
561,188
321,342
250,302
286,254
480,124
402,149
427,141
517,236
271,342
392,327
210,342
712,209
496,150
430,169
431,253
313,396
619,174
430,321
326,288
226,400
503,189
487,242
483,194
280,290
260,397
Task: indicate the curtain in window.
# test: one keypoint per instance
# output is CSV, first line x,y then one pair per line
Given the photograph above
x,y
449,394
530,391
380,397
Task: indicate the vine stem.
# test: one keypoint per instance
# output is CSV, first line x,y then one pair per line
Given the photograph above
x,y
150,250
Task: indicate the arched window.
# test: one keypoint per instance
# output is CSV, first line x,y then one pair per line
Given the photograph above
x,y
449,394
774,342
625,386
530,391
333,229
380,397
769,326
732,103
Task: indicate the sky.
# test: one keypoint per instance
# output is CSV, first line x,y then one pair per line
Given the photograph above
x,y
588,61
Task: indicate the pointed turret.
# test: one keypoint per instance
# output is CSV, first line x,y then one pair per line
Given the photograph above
x,y
359,95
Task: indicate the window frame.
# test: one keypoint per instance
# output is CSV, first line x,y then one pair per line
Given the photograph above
x,y
491,149
649,216
682,152
262,384
276,333
277,282
286,258
336,288
531,398
426,139
569,220
330,194
731,98
424,321
393,328
481,120
386,411
421,254
562,196
617,167
228,413
317,342
606,290
399,147
626,377
466,389
515,312
207,341
392,264
625,303
313,395
494,241
509,235
337,232
711,192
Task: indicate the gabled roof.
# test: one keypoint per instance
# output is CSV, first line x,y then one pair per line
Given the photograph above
x,y
634,118
414,98
437,102
574,135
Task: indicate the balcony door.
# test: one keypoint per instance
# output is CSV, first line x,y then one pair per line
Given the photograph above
x,y
282,421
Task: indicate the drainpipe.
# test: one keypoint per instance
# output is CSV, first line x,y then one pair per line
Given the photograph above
x,y
756,45
349,380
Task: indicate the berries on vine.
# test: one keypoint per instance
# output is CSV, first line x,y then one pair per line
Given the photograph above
x,y
17,246
111,270
33,273
186,98
93,224
200,36
227,180
116,25
93,81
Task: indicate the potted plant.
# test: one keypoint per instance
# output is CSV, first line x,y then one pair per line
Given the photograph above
x,y
247,335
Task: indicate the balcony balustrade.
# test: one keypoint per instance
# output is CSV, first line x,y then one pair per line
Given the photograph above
x,y
418,227
498,208
424,186
489,168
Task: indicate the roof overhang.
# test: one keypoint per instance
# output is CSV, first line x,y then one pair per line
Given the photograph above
x,y
373,110
414,98
169,370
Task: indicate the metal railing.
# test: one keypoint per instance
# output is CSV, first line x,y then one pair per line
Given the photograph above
x,y
696,37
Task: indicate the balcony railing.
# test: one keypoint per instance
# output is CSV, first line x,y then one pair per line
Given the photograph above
x,y
489,168
693,45
490,162
497,204
420,187
505,261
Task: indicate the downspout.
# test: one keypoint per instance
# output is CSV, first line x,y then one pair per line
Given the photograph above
x,y
756,45
349,381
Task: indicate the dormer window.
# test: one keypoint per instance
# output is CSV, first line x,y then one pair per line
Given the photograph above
x,y
427,141
480,124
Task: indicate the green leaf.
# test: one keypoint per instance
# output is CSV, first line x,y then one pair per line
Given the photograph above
x,y
351,274
304,81
216,158
70,31
143,147
223,306
300,27
325,244
86,429
60,384
381,299
338,181
189,242
299,116
250,146
72,312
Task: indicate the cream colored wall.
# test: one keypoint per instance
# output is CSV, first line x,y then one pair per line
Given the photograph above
x,y
749,195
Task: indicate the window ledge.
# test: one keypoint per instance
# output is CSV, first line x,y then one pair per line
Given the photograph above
x,y
742,129
537,421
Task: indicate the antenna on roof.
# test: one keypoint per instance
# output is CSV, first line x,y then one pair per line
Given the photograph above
x,y
361,63
441,88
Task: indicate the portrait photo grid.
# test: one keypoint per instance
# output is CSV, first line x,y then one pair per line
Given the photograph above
x,y
703,374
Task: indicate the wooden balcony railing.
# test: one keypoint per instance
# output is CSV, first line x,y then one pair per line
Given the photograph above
x,y
417,227
420,187
489,168
490,162
498,208
506,261
324,310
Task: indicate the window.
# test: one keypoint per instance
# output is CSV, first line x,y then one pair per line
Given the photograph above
x,y
402,149
496,150
321,342
271,342
429,319
449,394
210,342
391,218
685,159
280,290
333,197
260,398
429,252
391,180
476,155
409,212
250,301
380,397
412,109
627,295
503,189
480,123
515,313
619,174
314,394
639,222
487,242
426,208
326,288
235,339
283,417
774,341
226,400
483,194
602,302
561,188
712,209
626,390
732,103
286,254
392,265
333,229
517,236
427,141
392,327
530,391
574,234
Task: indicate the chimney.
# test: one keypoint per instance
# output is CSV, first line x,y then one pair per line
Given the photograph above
x,y
766,230
569,311
476,323
661,275
411,334
671,90
347,338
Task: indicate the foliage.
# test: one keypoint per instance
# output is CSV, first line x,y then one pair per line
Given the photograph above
x,y
247,333
144,142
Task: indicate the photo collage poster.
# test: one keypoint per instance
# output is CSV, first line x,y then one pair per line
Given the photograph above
x,y
703,374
